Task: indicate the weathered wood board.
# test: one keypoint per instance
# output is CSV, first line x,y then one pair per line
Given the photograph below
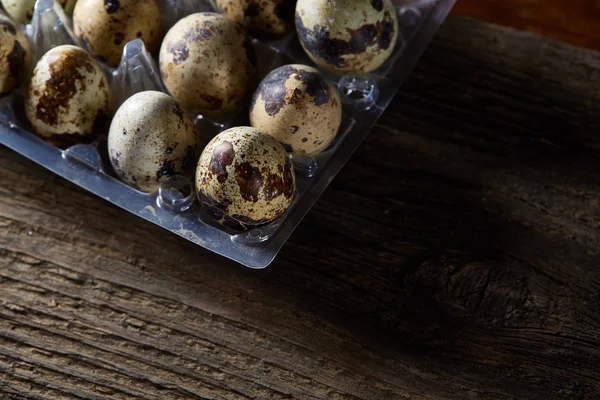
x,y
573,21
457,256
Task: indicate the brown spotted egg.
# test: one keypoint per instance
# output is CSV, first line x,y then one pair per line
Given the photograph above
x,y
262,18
22,10
245,178
106,26
297,106
208,63
150,139
68,99
347,36
14,55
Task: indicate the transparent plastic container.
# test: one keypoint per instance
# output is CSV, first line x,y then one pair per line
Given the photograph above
x,y
174,206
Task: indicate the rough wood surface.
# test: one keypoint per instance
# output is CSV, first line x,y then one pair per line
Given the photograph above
x,y
573,21
455,257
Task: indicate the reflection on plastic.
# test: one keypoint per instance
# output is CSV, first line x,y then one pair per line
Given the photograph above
x,y
6,112
137,72
49,27
305,166
85,154
176,193
256,236
360,92
174,10
409,16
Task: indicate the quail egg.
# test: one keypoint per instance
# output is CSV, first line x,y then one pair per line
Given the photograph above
x,y
107,26
68,98
297,106
15,55
347,36
208,63
262,18
150,139
245,179
22,10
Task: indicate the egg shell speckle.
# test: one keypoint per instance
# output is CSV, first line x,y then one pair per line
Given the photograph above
x,y
297,106
245,179
347,36
68,98
263,18
208,63
22,10
150,139
14,55
106,26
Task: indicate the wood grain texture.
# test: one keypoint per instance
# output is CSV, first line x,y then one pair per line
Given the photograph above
x,y
573,21
455,257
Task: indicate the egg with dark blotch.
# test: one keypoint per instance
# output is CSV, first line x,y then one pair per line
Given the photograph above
x,y
347,36
14,55
150,139
22,10
208,63
297,106
245,179
106,26
268,19
68,98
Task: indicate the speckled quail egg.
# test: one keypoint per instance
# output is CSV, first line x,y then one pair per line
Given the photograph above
x,y
347,36
22,10
106,26
208,63
297,106
14,55
68,98
262,18
245,179
150,139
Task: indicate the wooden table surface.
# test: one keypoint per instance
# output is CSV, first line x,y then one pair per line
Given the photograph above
x,y
573,21
457,256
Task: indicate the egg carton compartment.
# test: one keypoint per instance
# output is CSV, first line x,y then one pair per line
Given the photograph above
x,y
174,205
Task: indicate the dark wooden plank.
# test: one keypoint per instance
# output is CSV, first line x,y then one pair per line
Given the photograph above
x,y
574,21
455,257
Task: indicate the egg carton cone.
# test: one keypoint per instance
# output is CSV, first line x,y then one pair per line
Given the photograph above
x,y
174,10
49,27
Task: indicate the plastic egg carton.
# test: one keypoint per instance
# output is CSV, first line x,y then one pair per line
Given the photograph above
x,y
174,205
